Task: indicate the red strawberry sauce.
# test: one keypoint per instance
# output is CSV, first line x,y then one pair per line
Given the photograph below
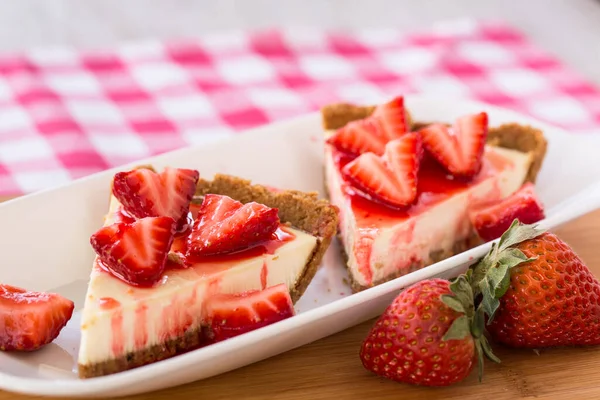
x,y
281,236
108,303
434,185
118,337
264,274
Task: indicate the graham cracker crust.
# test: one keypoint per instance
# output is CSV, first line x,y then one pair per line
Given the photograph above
x,y
304,211
301,210
189,341
524,138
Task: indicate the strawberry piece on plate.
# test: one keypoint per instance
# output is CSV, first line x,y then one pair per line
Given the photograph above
x,y
361,136
492,220
144,193
225,225
392,178
230,315
135,252
458,149
31,320
393,118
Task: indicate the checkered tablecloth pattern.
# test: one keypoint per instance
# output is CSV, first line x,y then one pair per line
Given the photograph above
x,y
65,114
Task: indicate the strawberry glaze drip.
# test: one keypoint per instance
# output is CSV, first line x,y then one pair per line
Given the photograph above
x,y
108,303
141,326
264,273
118,338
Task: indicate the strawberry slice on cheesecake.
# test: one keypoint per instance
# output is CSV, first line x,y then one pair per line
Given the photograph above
x,y
183,262
409,191
144,193
230,315
391,178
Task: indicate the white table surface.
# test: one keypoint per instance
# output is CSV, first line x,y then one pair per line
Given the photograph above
x,y
568,28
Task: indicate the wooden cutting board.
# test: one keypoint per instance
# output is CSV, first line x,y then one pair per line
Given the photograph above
x,y
330,368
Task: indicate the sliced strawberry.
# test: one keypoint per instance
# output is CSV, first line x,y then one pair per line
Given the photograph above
x,y
194,208
391,179
30,320
144,193
135,252
230,315
225,225
361,136
458,149
492,220
393,118
388,122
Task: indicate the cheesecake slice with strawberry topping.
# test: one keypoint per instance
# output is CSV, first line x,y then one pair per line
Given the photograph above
x,y
406,190
161,286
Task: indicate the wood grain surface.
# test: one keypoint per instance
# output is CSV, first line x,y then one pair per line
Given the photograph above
x,y
330,368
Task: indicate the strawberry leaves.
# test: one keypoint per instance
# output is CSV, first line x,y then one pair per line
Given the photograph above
x,y
490,279
518,233
491,276
458,330
472,322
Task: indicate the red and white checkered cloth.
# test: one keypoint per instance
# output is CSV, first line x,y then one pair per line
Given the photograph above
x,y
65,114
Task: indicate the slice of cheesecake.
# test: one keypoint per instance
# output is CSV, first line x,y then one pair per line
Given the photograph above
x,y
382,242
125,326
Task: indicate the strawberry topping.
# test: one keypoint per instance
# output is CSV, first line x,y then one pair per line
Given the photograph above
x,y
135,252
225,225
230,315
391,178
492,220
393,118
144,193
361,136
388,122
30,320
458,149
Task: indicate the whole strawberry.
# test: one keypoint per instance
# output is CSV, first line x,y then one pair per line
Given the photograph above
x,y
539,293
429,335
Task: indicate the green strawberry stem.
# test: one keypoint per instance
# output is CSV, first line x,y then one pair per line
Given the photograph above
x,y
491,275
471,322
490,278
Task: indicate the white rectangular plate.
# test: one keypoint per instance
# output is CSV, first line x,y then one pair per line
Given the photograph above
x,y
44,239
